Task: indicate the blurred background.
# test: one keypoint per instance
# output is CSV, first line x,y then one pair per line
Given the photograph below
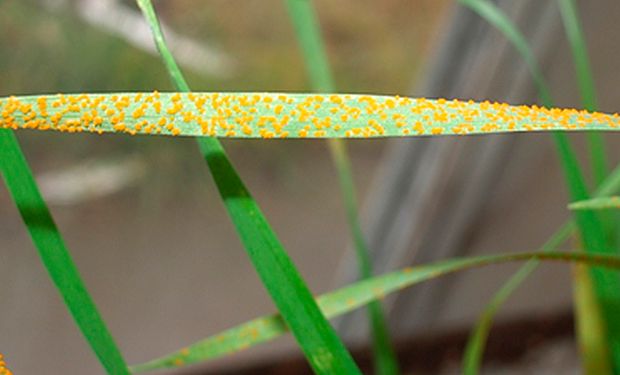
x,y
146,227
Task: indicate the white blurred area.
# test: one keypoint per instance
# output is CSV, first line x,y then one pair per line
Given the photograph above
x,y
91,179
118,19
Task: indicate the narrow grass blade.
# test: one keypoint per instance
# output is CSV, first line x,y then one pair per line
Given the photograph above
x,y
324,350
318,340
594,239
570,18
273,115
350,298
606,284
596,204
304,20
585,79
385,360
474,349
494,16
308,33
54,255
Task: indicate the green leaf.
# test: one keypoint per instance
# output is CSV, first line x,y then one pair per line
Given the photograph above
x,y
304,20
350,298
54,255
269,115
306,26
494,16
570,18
385,361
595,234
596,203
318,340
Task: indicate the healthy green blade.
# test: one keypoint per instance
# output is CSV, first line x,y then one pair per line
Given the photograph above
x,y
585,79
385,361
350,298
318,340
570,18
304,20
272,115
596,204
594,240
596,237
54,255
494,16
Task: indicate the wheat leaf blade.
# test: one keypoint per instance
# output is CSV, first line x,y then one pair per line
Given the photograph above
x,y
54,254
350,298
273,115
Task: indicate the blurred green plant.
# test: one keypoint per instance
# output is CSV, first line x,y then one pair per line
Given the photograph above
x,y
596,203
591,228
